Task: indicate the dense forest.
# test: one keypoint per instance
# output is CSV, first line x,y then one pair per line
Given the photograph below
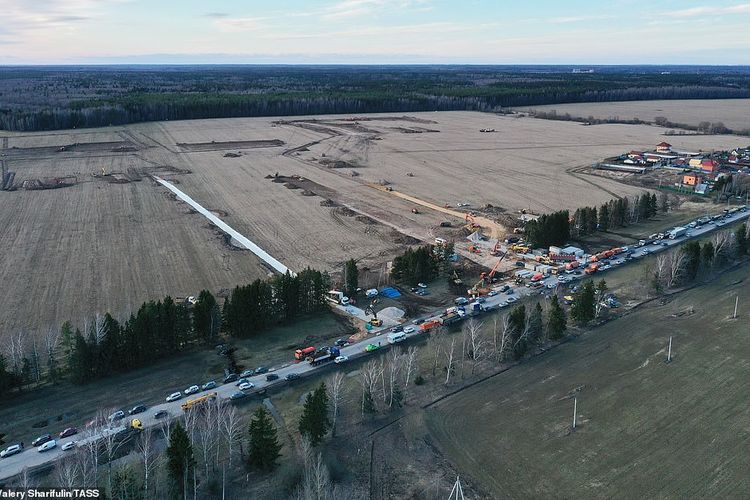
x,y
48,98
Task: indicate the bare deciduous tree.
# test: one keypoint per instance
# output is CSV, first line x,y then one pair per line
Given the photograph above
x,y
316,480
677,262
436,340
722,243
206,431
66,472
230,424
334,386
148,456
410,358
369,377
476,342
449,360
394,366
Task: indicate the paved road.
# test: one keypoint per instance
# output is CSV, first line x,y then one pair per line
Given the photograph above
x,y
32,458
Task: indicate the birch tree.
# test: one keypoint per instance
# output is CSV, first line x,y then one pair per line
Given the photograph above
x,y
230,425
677,261
334,386
148,457
67,472
394,366
410,359
449,360
476,342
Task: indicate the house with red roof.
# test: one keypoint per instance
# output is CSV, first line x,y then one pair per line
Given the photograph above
x,y
663,147
708,165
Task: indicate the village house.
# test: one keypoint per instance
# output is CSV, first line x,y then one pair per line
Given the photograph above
x,y
708,165
691,179
663,147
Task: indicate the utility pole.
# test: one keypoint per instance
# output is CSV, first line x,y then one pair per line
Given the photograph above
x,y
669,351
736,303
575,410
457,493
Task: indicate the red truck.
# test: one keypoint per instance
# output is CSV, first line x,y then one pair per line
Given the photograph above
x,y
301,354
429,325
571,265
591,269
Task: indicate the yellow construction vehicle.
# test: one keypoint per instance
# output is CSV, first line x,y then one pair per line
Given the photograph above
x,y
471,223
520,248
374,321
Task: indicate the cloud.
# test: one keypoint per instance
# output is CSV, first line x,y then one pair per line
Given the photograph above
x,y
238,24
19,18
577,19
710,11
348,9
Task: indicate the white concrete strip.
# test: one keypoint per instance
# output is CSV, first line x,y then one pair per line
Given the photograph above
x,y
262,254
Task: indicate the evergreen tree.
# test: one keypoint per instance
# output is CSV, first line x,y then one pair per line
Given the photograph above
x,y
314,423
8,379
604,218
557,323
707,255
692,250
264,448
206,323
652,206
536,323
180,460
583,309
368,403
67,341
740,237
517,318
351,277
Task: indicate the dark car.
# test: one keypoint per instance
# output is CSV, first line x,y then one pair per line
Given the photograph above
x,y
342,342
232,377
41,440
68,432
261,370
247,373
161,414
271,377
237,395
418,321
397,329
292,376
209,385
137,409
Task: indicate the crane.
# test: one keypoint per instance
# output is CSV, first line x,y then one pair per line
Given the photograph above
x,y
480,288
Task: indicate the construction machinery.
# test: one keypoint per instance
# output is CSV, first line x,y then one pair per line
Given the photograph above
x,y
456,281
481,287
474,249
471,223
520,248
496,249
374,321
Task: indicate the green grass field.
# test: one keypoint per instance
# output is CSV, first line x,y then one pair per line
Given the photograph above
x,y
647,429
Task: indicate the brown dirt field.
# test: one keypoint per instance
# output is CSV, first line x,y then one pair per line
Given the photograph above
x,y
109,243
732,112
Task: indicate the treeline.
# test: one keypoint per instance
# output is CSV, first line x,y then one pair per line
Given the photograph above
x,y
162,329
704,127
263,303
617,212
549,229
116,98
696,259
422,264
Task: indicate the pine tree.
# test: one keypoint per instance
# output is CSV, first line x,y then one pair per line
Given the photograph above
x,y
536,323
351,275
604,217
740,236
314,423
264,447
205,322
557,322
180,460
583,309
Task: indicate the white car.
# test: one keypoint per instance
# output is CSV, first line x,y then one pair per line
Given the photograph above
x,y
68,446
11,450
192,390
551,285
341,359
421,285
245,386
47,446
510,300
492,293
409,329
174,397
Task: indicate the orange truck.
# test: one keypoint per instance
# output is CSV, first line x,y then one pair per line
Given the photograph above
x,y
571,265
591,269
429,325
301,354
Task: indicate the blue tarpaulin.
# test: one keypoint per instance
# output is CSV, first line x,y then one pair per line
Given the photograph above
x,y
390,292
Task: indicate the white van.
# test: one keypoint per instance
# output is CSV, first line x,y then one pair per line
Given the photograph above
x,y
396,337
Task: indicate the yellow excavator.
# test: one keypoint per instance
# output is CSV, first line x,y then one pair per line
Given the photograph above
x,y
374,321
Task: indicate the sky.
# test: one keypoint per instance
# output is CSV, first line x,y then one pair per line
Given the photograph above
x,y
374,32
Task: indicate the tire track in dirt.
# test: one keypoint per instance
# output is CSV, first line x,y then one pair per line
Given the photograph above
x,y
580,176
